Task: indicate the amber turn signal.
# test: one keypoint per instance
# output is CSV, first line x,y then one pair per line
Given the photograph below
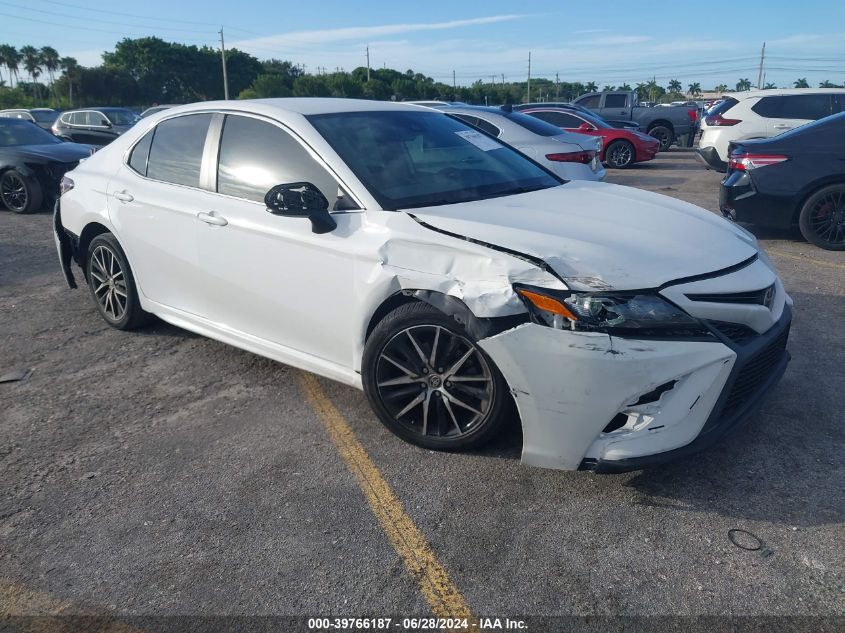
x,y
543,302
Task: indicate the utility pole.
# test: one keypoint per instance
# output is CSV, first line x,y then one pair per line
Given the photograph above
x,y
760,72
454,87
529,78
223,57
557,86
368,64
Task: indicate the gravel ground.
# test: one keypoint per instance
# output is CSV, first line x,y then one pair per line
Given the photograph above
x,y
159,472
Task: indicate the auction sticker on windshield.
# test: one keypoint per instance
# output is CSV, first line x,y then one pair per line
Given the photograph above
x,y
479,140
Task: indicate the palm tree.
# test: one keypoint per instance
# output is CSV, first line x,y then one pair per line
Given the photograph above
x,y
625,87
32,65
825,84
801,83
591,86
743,84
770,86
695,89
70,68
50,59
13,61
609,88
675,86
8,57
721,88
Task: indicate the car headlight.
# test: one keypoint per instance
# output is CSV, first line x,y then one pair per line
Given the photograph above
x,y
621,313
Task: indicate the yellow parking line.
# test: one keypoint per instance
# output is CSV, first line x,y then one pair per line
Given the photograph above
x,y
35,611
442,594
802,258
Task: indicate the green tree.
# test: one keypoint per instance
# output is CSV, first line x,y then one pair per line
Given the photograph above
x,y
769,86
675,86
801,83
721,88
625,87
70,75
743,84
694,89
32,63
591,86
825,84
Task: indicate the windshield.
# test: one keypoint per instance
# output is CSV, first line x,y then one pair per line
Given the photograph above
x,y
122,117
14,133
419,159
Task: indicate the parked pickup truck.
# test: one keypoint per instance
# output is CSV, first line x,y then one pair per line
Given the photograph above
x,y
674,124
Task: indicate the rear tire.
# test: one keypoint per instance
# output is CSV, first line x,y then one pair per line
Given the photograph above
x,y
620,155
112,284
664,135
20,193
429,382
822,218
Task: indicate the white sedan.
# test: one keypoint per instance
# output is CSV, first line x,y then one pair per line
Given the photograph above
x,y
400,251
571,156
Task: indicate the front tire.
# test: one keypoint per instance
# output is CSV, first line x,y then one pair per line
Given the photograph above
x,y
430,383
822,218
620,155
112,284
664,135
20,193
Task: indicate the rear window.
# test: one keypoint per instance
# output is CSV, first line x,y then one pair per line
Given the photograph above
x,y
558,119
589,102
481,124
810,106
722,106
140,154
533,124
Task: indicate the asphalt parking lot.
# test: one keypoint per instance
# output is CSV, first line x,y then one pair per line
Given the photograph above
x,y
159,472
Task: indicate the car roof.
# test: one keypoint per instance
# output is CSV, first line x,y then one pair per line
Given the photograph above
x,y
301,105
776,92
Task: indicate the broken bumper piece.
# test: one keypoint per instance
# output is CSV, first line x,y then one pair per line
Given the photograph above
x,y
599,402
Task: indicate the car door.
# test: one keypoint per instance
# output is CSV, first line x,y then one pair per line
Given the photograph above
x,y
74,126
793,111
270,276
615,106
154,200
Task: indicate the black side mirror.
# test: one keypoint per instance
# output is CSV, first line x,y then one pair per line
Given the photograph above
x,y
301,199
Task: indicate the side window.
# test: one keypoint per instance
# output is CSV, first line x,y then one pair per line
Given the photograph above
x,y
176,151
140,153
77,118
256,155
615,101
560,119
589,102
811,107
469,120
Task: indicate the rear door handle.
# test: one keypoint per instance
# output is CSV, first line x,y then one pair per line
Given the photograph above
x,y
123,196
781,126
212,218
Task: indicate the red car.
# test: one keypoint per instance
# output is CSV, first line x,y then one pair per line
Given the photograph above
x,y
621,147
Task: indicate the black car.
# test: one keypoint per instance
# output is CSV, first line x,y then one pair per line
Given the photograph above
x,y
95,126
42,117
797,178
32,163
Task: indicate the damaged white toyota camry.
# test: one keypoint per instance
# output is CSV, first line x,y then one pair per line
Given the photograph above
x,y
395,249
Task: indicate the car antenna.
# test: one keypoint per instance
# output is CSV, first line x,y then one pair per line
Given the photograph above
x,y
507,108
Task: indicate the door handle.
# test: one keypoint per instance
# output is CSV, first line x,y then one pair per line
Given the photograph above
x,y
212,218
782,126
123,196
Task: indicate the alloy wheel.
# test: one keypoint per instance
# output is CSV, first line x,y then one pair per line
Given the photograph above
x,y
109,283
620,155
827,217
434,382
14,193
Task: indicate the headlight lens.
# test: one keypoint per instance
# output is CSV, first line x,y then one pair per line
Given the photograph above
x,y
608,312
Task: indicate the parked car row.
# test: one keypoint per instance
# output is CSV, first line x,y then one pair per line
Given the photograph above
x,y
458,282
783,154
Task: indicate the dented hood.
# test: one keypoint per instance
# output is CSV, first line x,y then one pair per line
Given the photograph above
x,y
626,237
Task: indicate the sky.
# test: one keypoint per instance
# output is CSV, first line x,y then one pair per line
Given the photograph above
x,y
607,42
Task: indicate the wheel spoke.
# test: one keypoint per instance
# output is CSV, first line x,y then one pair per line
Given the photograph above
x,y
448,408
398,365
459,363
460,403
420,398
401,380
434,347
470,379
426,405
417,348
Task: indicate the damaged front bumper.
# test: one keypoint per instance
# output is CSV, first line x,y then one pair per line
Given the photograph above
x,y
599,402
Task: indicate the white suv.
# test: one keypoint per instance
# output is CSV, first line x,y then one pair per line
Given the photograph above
x,y
761,114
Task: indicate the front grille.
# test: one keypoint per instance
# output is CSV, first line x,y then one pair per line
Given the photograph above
x,y
737,332
761,297
755,372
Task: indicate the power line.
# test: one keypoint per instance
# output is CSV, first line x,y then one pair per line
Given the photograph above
x,y
100,10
